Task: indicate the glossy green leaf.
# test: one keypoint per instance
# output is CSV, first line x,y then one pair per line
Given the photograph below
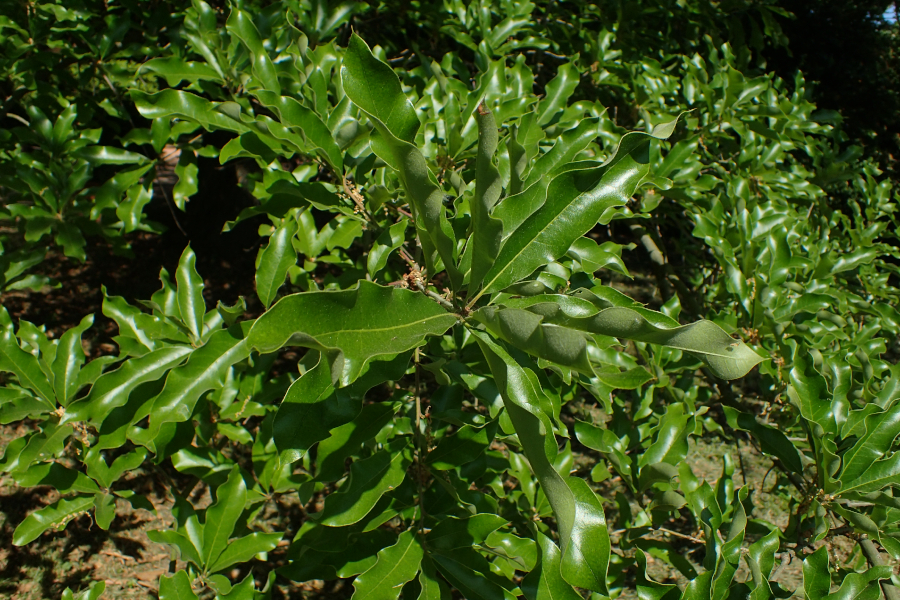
x,y
104,510
175,70
275,260
486,231
56,515
241,25
190,293
726,357
351,326
576,200
387,241
545,581
880,431
559,89
294,115
23,365
862,586
395,566
582,524
108,155
816,577
176,587
370,478
771,440
222,516
68,361
184,105
373,87
244,548
112,389
64,480
205,370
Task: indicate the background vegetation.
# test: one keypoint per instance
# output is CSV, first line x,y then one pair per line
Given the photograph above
x,y
184,187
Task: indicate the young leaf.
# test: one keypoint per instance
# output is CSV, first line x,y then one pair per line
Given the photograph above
x,y
352,325
395,566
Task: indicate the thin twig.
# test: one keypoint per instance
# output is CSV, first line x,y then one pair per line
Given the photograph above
x,y
874,557
681,535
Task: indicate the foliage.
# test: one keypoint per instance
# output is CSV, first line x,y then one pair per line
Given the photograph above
x,y
441,243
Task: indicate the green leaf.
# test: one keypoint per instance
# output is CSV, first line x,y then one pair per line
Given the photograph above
x,y
576,201
176,587
56,515
453,532
816,577
375,89
486,231
184,105
68,361
104,510
395,566
544,582
190,293
108,155
726,357
862,586
433,587
559,89
525,330
275,260
351,326
881,429
370,478
300,118
308,412
470,573
105,474
222,516
464,446
187,172
244,548
241,25
387,241
206,369
64,480
582,524
771,440
22,364
175,70
112,389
